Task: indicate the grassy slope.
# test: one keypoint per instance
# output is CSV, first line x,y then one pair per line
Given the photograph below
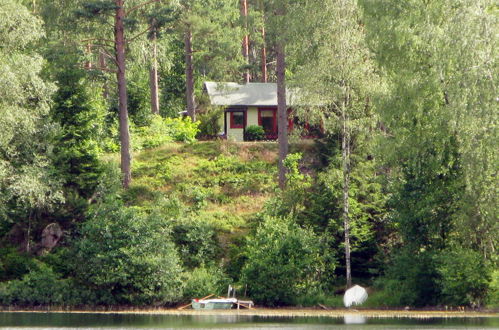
x,y
224,182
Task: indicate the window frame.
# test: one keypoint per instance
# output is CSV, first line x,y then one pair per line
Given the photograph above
x,y
233,124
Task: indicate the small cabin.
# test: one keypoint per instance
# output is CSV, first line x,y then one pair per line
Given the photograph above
x,y
246,105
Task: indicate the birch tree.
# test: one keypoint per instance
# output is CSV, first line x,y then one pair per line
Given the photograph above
x,y
27,176
338,77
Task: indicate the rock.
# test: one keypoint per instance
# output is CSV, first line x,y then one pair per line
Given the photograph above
x,y
51,235
355,296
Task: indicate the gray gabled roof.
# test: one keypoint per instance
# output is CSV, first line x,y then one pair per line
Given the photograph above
x,y
250,94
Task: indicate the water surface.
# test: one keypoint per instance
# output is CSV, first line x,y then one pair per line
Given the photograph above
x,y
146,321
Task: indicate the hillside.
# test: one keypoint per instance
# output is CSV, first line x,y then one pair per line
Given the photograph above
x,y
224,183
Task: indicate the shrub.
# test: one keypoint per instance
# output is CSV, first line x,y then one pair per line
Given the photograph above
x,y
13,265
209,126
163,130
196,241
464,277
41,286
182,129
493,298
126,257
283,262
254,133
412,279
204,281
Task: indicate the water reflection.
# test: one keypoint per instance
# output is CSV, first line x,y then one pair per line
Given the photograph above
x,y
134,321
354,319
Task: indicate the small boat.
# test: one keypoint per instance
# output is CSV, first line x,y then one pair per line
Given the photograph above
x,y
222,303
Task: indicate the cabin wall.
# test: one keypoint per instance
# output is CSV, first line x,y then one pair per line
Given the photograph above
x,y
252,116
235,134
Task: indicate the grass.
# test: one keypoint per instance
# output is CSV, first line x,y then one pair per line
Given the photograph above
x,y
224,182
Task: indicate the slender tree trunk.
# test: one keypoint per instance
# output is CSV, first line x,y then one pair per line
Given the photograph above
x,y
88,50
189,76
345,156
282,111
264,45
119,36
244,14
153,77
264,57
103,66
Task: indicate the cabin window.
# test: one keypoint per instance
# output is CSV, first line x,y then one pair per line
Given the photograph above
x,y
267,119
237,119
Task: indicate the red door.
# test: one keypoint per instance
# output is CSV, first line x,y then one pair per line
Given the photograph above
x,y
267,118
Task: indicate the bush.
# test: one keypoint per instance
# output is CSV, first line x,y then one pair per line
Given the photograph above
x,y
284,262
209,126
411,280
464,277
126,257
161,131
196,241
41,286
204,281
13,264
493,298
254,133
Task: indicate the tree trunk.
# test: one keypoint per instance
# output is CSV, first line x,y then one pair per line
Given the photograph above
x,y
88,63
103,66
244,14
264,57
126,158
189,76
282,111
153,77
345,156
264,46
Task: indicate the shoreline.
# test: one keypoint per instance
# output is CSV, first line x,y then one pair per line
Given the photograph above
x,y
276,312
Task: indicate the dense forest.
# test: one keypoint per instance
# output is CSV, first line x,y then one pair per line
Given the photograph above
x,y
116,190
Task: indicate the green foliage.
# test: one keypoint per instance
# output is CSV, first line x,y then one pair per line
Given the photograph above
x,y
493,299
139,107
41,286
182,130
316,297
464,277
235,177
196,242
126,257
283,262
203,281
26,172
163,130
80,111
412,280
254,133
209,126
13,265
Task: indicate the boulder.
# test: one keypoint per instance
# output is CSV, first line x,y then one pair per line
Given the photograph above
x,y
51,235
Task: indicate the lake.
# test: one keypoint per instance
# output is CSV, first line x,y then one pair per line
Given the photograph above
x,y
29,320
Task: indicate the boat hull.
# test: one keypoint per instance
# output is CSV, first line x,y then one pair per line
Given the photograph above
x,y
211,305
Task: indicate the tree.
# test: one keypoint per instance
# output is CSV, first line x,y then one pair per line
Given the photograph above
x,y
125,257
211,34
79,109
438,59
339,76
28,183
101,10
283,262
280,20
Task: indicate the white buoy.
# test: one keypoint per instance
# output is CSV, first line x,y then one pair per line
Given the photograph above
x,y
355,296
